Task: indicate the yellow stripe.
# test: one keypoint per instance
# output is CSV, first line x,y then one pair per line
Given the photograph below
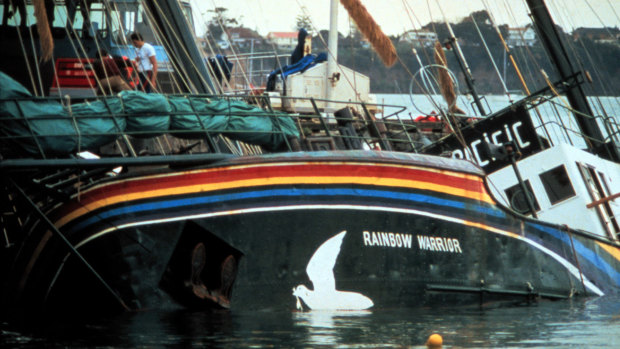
x,y
290,164
387,182
612,250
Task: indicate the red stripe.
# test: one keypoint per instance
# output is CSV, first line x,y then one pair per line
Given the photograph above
x,y
302,170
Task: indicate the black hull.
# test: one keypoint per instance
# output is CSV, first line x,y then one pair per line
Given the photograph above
x,y
273,251
403,247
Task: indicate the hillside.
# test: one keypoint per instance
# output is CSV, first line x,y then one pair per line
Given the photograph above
x,y
599,58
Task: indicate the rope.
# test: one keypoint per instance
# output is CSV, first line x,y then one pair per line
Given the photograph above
x,y
524,50
603,83
486,47
211,71
514,65
232,48
69,245
79,50
412,16
175,36
568,230
111,9
614,11
342,75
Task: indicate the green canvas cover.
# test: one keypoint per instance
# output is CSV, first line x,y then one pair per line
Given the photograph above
x,y
147,112
99,122
254,125
264,130
236,119
42,124
34,122
199,117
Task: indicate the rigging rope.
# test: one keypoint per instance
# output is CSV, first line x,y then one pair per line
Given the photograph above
x,y
342,73
614,11
232,48
175,36
601,81
486,47
514,63
523,50
410,14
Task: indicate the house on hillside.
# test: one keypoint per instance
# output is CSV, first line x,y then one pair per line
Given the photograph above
x,y
419,38
208,45
283,40
241,37
521,36
598,35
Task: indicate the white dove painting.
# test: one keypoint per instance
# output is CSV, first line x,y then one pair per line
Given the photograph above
x,y
320,270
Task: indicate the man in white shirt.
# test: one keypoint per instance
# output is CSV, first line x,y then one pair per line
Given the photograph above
x,y
146,62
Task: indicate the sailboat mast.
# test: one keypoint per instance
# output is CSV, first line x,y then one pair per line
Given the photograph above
x,y
574,93
332,46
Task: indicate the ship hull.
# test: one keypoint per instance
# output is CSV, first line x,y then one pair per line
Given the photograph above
x,y
411,231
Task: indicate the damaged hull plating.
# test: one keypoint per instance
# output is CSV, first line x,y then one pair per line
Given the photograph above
x,y
392,229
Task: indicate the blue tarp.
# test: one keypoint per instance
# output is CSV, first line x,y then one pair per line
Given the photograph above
x,y
64,130
304,64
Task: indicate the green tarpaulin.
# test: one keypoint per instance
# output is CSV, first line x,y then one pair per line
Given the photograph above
x,y
42,124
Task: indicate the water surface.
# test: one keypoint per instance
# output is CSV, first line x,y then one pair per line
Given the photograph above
x,y
575,323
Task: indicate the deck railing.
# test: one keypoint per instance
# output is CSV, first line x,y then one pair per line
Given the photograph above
x,y
44,135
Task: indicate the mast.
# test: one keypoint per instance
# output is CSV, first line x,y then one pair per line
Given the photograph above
x,y
332,46
180,44
574,93
452,44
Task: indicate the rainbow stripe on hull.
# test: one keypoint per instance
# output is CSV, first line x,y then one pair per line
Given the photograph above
x,y
440,210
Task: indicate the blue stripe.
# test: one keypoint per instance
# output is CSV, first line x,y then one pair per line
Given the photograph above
x,y
583,251
291,192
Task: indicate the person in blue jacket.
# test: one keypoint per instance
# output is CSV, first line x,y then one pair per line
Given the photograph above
x,y
298,53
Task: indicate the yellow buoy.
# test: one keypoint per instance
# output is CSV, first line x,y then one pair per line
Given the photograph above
x,y
434,341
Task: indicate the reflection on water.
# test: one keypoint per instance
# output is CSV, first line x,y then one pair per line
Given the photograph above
x,y
581,323
330,327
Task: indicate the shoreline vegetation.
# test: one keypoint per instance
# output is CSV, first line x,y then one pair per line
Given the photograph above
x,y
597,51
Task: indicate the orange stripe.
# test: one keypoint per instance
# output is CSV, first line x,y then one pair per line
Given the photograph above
x,y
130,189
170,177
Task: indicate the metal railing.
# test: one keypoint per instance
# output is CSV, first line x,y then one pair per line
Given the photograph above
x,y
251,70
42,136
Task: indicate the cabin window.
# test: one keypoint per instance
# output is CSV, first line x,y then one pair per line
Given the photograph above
x,y
557,184
16,19
98,19
517,199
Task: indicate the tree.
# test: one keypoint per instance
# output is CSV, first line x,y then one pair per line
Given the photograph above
x,y
304,21
219,22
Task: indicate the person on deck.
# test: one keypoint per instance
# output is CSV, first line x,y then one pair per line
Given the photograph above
x,y
300,49
222,68
146,62
108,75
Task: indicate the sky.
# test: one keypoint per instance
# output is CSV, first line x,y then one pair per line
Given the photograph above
x,y
398,16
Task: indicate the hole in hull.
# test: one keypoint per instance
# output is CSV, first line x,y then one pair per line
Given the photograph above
x,y
202,269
